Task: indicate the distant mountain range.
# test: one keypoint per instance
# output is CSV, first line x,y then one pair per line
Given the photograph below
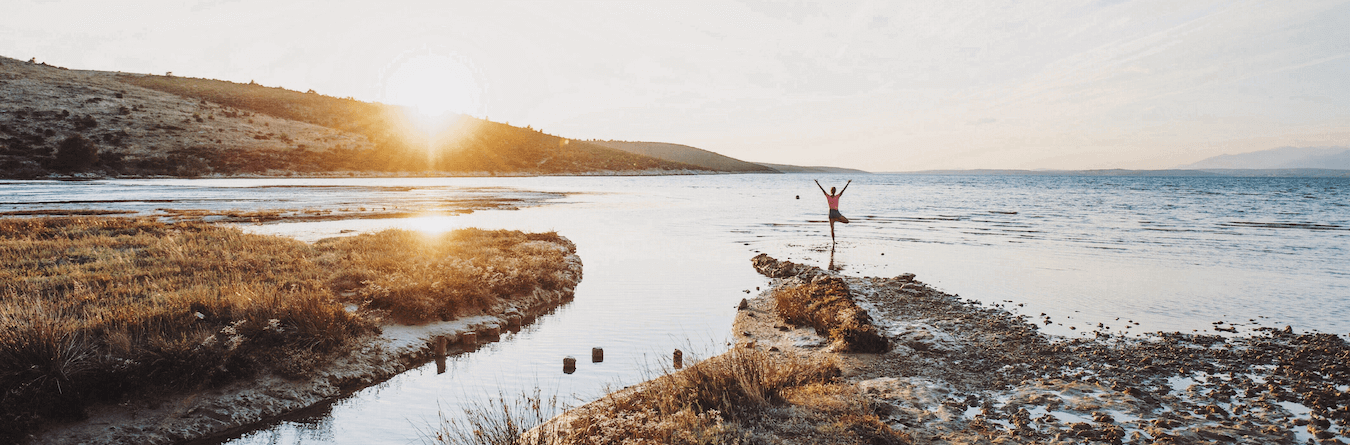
x,y
687,155
1313,162
713,161
1336,158
812,169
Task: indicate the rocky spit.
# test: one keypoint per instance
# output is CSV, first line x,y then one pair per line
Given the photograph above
x,y
959,372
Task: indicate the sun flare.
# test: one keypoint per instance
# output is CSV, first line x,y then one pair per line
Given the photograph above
x,y
435,86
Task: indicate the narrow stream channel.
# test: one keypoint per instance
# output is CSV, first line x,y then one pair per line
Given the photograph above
x,y
660,273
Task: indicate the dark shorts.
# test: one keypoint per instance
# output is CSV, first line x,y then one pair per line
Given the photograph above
x,y
836,216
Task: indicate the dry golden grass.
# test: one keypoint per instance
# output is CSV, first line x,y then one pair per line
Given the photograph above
x,y
457,273
744,396
825,304
501,420
836,413
100,308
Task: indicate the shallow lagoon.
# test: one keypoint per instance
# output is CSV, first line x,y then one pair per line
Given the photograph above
x,y
666,259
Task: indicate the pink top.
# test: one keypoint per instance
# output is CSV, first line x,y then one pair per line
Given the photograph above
x,y
833,200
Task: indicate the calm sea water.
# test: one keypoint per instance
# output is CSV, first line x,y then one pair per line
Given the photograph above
x,y
667,258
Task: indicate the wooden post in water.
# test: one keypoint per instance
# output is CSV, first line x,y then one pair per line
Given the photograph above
x,y
470,339
513,321
440,346
679,359
569,365
597,355
492,332
440,353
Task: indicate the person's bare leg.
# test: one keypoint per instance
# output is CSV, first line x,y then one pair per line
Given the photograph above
x,y
832,230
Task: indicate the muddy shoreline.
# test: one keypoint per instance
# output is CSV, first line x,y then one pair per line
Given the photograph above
x,y
212,415
959,372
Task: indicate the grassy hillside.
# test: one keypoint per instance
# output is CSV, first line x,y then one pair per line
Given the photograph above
x,y
54,120
469,144
688,155
59,121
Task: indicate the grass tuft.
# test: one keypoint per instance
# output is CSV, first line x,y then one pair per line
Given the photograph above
x,y
501,420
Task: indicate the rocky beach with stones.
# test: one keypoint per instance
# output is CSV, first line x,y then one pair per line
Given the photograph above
x,y
961,372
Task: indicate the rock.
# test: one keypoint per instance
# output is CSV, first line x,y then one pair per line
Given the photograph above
x,y
772,268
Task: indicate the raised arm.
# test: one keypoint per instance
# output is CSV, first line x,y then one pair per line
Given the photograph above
x,y
841,191
822,189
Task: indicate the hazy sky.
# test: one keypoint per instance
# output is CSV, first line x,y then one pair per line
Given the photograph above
x,y
882,86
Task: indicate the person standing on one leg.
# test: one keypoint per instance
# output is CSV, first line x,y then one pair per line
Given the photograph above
x,y
833,199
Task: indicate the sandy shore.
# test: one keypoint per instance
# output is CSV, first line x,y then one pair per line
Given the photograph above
x,y
238,406
958,372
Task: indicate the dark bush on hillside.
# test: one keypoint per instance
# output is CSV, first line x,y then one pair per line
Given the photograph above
x,y
75,153
20,169
85,122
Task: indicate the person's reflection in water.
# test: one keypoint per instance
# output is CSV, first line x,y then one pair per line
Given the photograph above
x,y
832,266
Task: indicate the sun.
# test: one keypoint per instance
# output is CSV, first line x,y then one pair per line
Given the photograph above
x,y
434,85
